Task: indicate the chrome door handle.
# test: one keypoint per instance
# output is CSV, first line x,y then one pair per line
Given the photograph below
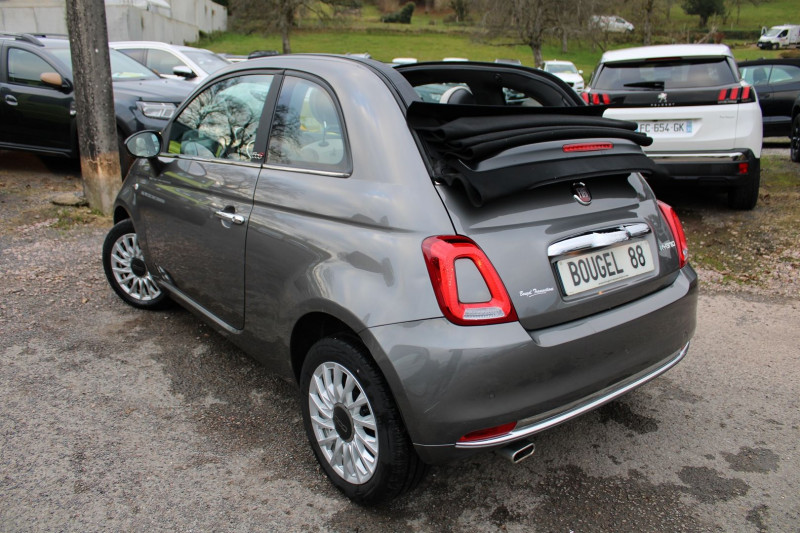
x,y
230,217
11,100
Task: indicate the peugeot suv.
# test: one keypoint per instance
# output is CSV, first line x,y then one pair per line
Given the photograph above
x,y
704,120
438,279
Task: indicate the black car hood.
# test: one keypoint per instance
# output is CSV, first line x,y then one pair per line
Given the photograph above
x,y
161,90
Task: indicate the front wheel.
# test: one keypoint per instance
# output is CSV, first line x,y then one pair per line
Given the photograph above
x,y
794,147
126,271
353,425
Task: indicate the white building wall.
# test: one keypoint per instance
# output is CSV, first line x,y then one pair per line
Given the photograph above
x,y
133,20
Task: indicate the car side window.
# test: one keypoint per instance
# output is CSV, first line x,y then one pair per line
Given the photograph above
x,y
222,121
306,129
162,62
26,67
134,53
782,74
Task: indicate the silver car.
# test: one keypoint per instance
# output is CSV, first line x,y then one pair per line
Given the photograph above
x,y
439,279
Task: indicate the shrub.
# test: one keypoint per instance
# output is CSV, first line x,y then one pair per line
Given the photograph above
x,y
403,16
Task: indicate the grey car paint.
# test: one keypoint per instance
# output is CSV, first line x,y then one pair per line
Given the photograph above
x,y
317,248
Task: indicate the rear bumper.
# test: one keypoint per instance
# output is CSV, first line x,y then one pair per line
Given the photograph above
x,y
449,380
709,167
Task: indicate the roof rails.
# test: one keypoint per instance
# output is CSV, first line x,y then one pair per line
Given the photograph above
x,y
27,37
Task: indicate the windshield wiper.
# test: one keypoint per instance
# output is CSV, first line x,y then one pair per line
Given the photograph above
x,y
658,84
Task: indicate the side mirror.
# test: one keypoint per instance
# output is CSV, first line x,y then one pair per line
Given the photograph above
x,y
184,72
580,72
146,144
54,80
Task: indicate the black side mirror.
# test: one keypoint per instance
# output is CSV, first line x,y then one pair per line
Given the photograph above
x,y
146,144
184,72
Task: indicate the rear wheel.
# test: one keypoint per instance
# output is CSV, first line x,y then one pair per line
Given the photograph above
x,y
745,196
794,149
353,424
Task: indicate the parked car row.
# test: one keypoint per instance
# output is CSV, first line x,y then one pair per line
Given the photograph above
x,y
37,112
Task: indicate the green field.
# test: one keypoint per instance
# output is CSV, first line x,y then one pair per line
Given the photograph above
x,y
431,37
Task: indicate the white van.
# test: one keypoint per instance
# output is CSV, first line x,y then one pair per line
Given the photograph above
x,y
780,37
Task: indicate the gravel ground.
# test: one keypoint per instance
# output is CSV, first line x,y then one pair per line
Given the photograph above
x,y
118,419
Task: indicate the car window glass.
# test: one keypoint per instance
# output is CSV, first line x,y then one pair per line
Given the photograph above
x,y
756,75
222,121
784,74
163,62
673,74
26,67
207,61
134,53
306,130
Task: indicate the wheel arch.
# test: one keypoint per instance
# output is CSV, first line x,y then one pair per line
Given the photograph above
x,y
120,214
311,328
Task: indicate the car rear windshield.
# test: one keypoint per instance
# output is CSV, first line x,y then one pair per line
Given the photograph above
x,y
663,74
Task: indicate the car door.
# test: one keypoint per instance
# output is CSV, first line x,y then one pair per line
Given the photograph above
x,y
784,86
197,205
35,115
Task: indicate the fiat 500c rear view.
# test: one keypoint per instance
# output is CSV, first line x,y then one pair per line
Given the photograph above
x,y
438,279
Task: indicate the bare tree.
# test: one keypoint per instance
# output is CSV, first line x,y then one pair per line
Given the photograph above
x,y
528,20
281,15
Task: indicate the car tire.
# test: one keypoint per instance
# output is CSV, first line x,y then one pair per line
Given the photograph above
x,y
355,429
794,138
745,196
126,271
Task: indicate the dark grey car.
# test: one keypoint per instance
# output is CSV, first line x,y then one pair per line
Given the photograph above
x,y
438,279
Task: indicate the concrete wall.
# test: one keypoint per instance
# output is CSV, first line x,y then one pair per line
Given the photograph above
x,y
134,20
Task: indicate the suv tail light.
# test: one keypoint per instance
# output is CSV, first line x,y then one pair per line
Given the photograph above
x,y
736,95
441,253
677,231
595,98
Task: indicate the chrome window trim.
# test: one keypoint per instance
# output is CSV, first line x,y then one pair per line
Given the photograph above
x,y
307,171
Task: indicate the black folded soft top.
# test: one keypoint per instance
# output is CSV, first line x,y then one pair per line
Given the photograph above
x,y
495,151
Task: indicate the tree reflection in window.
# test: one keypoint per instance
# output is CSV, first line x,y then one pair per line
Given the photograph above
x,y
306,129
222,121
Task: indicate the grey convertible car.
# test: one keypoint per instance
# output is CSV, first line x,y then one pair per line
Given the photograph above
x,y
439,276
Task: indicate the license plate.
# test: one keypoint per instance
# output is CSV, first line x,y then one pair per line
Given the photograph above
x,y
666,128
589,271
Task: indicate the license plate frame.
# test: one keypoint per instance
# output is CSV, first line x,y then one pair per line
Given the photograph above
x,y
666,128
589,271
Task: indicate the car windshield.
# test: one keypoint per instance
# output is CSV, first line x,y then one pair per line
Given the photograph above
x,y
561,68
208,61
665,74
122,66
772,32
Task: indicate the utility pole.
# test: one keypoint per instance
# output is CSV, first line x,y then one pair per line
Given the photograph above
x,y
94,101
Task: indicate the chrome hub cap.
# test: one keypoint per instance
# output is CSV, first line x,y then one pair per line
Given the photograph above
x,y
343,423
127,263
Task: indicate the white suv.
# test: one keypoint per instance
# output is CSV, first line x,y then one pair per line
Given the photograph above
x,y
567,71
172,60
704,120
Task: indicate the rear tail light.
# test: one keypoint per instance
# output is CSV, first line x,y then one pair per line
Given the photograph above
x,y
736,95
488,433
677,231
595,98
441,254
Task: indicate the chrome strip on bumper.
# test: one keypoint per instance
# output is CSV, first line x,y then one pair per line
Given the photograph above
x,y
526,428
699,156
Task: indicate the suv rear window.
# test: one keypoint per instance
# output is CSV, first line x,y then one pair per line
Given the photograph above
x,y
665,74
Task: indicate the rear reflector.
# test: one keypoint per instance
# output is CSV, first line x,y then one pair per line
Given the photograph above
x,y
441,254
676,228
488,433
744,168
587,147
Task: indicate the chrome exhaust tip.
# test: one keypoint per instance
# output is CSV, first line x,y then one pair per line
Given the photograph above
x,y
517,451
